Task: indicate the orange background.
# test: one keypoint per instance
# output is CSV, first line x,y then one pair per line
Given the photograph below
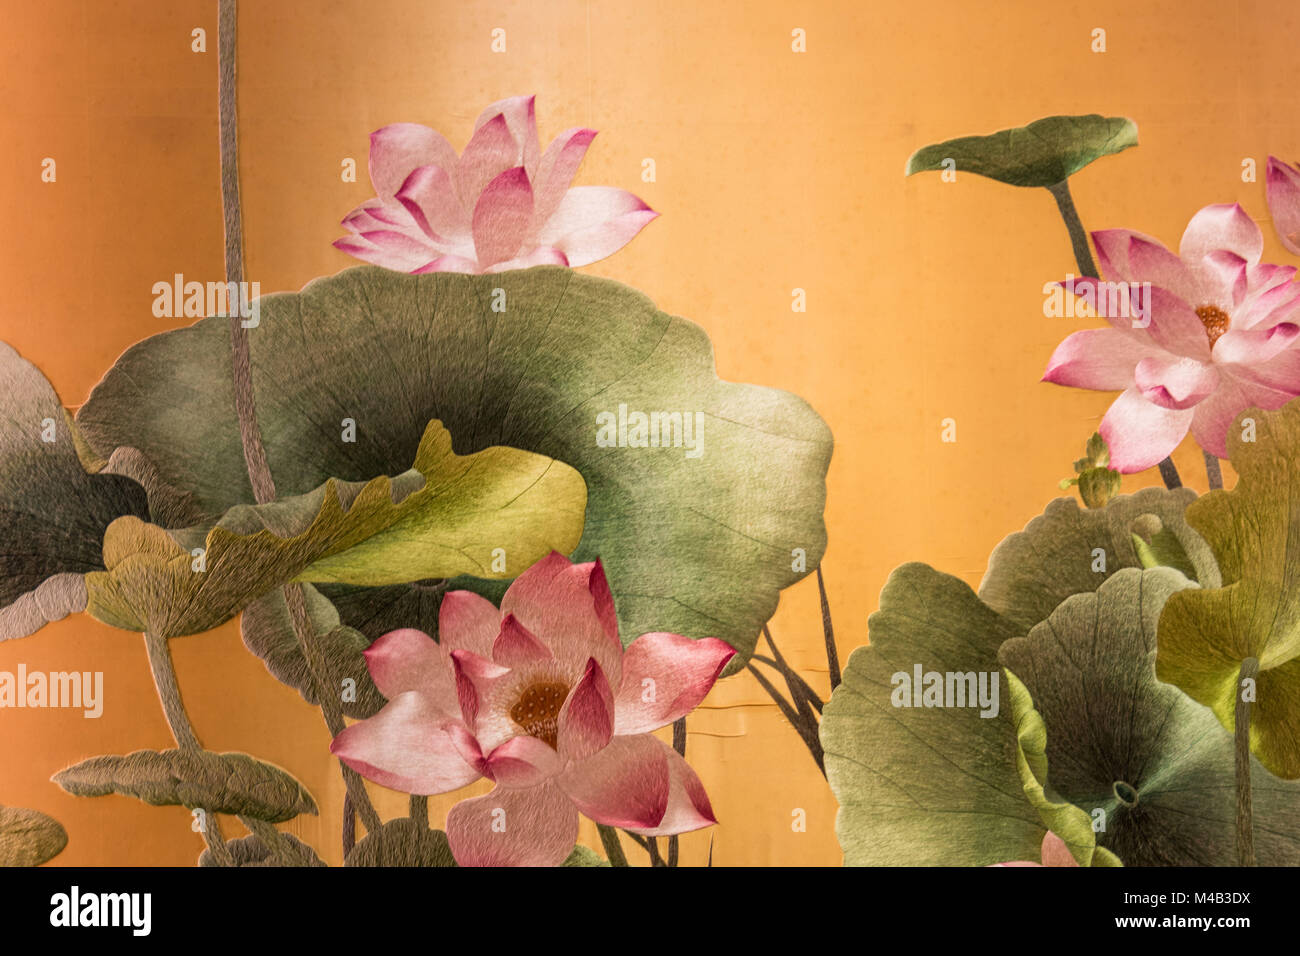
x,y
775,170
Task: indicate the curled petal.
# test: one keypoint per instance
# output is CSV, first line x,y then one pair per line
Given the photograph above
x,y
1255,346
477,679
537,826
1175,326
1284,202
640,784
1222,226
407,746
410,660
469,622
665,676
520,115
1234,395
522,762
1113,247
397,149
593,222
587,719
516,646
403,257
430,197
544,256
1140,434
569,608
1099,359
558,167
1055,852
1173,382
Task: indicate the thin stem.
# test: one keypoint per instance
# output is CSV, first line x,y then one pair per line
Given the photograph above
x,y
1078,237
802,695
1212,471
1170,474
169,693
805,726
828,632
1241,741
679,744
805,691
613,849
250,435
349,825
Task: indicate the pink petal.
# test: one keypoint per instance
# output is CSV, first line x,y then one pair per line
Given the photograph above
x,y
491,151
537,826
1279,304
476,680
1254,346
1215,415
1176,327
502,216
569,608
1100,359
430,198
522,762
449,263
593,222
397,149
1108,299
1223,280
519,113
640,784
558,167
1113,247
1283,184
543,256
516,646
407,746
1221,226
1174,382
401,258
1149,261
468,622
1055,852
1140,434
665,676
1281,373
410,660
587,718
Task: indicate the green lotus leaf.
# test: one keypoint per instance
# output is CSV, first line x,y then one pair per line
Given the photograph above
x,y
439,519
1071,550
53,513
402,842
1072,824
267,629
29,837
916,785
1205,635
1118,739
697,537
216,782
1044,153
584,856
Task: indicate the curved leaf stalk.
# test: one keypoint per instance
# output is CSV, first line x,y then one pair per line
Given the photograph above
x,y
169,694
250,435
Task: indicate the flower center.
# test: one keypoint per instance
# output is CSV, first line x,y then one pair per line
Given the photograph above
x,y
537,711
1215,320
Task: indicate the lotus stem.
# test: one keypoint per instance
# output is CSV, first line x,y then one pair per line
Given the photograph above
x,y
1241,740
1078,237
613,849
1212,471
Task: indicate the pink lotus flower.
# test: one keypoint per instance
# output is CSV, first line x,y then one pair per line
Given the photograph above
x,y
1284,202
541,698
1221,337
502,204
1054,853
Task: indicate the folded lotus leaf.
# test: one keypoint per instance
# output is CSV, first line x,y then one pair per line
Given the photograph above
x,y
29,837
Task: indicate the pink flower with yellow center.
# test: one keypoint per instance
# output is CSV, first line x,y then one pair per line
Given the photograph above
x,y
540,697
1220,337
501,204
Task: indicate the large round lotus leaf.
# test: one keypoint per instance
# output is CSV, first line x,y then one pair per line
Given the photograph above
x,y
698,535
925,785
1152,760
